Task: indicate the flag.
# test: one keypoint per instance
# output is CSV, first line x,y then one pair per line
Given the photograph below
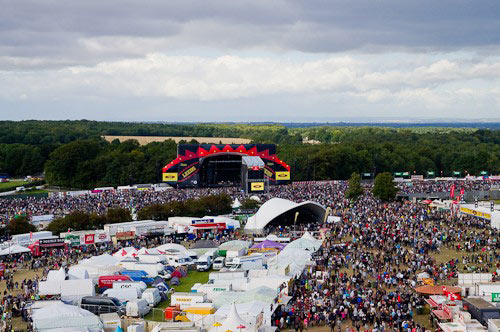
x,y
454,297
452,192
445,291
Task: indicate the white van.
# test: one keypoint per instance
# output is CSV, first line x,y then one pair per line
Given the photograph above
x,y
124,295
152,296
219,263
204,263
138,308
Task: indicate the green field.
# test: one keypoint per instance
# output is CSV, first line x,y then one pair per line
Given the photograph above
x,y
185,285
12,184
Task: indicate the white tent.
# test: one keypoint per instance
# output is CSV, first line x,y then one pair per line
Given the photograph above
x,y
236,204
149,251
56,275
248,311
77,272
171,246
277,207
234,322
126,252
100,265
62,317
14,249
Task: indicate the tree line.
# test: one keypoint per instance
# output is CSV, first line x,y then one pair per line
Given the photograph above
x,y
73,154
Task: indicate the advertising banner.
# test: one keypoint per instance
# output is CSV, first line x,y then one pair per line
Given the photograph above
x,y
170,177
282,175
476,213
257,186
89,238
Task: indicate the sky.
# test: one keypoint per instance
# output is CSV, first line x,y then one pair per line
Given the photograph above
x,y
271,60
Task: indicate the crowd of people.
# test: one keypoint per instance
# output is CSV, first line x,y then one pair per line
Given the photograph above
x,y
439,186
364,274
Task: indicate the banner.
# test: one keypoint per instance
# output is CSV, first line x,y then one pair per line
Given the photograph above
x,y
476,213
257,186
89,238
170,177
282,175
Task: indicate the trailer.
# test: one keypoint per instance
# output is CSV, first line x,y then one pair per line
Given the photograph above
x,y
481,309
229,275
185,300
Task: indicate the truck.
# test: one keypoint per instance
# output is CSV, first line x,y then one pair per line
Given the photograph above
x,y
254,261
237,284
124,295
211,290
234,252
204,263
229,275
185,299
138,275
141,286
480,309
105,282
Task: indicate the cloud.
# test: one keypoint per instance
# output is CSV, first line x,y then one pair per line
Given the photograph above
x,y
234,77
92,31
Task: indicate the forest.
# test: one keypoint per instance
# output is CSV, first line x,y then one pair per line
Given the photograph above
x,y
72,154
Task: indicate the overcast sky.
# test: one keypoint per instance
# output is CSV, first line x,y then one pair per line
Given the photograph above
x,y
238,60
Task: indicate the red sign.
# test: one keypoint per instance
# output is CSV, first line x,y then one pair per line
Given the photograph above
x,y
125,235
89,238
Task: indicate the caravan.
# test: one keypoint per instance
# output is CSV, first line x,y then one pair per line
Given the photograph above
x,y
251,262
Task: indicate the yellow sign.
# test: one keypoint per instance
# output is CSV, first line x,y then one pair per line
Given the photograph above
x,y
257,186
190,171
282,175
476,213
170,177
268,173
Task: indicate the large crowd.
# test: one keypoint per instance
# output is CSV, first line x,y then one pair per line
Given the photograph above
x,y
432,186
98,202
364,274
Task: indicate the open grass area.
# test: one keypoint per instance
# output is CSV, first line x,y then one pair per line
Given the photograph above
x,y
12,184
185,285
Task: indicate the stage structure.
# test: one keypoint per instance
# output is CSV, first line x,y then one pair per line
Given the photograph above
x,y
251,166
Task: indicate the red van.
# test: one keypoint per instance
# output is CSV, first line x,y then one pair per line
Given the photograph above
x,y
106,282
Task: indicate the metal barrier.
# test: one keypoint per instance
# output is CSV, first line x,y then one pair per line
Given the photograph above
x,y
157,315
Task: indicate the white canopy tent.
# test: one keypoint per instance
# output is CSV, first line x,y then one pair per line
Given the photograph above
x,y
171,246
63,317
126,252
14,249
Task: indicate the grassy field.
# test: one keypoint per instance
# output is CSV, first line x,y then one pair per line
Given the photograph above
x,y
185,286
12,184
148,139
